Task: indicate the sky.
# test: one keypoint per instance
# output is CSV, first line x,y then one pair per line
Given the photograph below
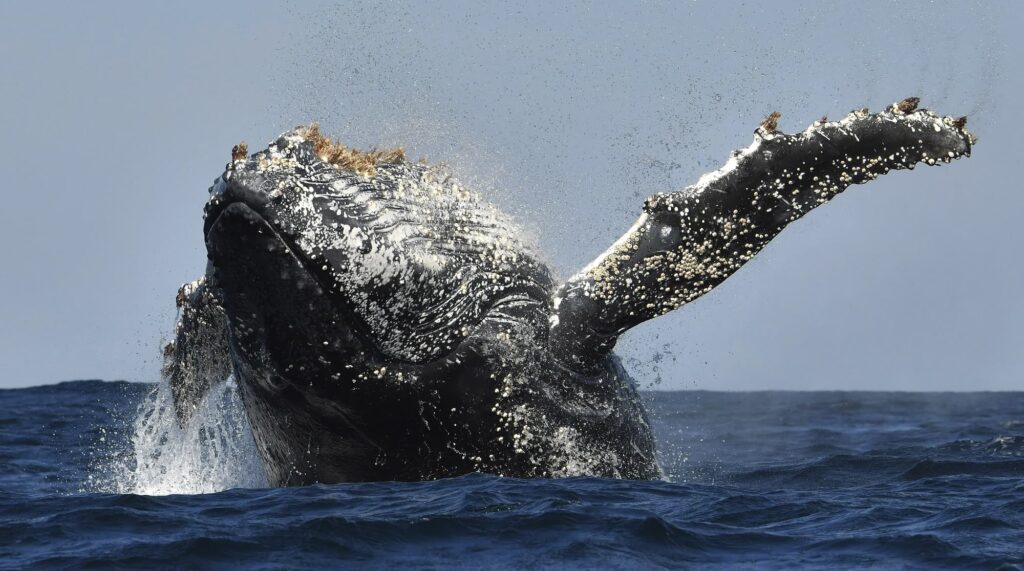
x,y
116,117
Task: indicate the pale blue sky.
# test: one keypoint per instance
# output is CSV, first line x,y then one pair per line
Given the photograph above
x,y
117,116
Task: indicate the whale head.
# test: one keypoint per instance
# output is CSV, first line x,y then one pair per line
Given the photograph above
x,y
352,297
287,322
399,262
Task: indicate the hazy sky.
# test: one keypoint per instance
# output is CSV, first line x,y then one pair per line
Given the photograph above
x,y
117,117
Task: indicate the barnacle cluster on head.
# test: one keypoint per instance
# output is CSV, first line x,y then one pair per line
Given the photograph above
x,y
239,152
905,106
770,124
347,158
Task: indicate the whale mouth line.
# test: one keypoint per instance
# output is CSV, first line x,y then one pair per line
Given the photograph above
x,y
216,210
220,204
243,208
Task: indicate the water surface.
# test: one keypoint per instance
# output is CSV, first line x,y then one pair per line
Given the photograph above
x,y
755,480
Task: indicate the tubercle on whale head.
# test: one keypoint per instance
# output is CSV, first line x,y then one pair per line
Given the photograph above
x,y
264,177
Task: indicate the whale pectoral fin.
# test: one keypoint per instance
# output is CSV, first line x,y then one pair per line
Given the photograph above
x,y
687,242
198,358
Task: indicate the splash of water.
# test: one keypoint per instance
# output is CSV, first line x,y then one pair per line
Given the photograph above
x,y
215,451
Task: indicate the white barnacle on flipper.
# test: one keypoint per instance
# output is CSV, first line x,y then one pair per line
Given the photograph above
x,y
625,243
708,179
605,267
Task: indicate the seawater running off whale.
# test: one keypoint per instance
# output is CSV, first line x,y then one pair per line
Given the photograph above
x,y
384,322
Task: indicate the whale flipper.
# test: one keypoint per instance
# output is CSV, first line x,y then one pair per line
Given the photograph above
x,y
687,242
198,357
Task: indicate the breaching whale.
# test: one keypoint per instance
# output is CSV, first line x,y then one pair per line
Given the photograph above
x,y
383,322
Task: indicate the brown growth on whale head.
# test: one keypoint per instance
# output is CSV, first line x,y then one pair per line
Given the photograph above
x,y
771,123
347,158
908,105
239,152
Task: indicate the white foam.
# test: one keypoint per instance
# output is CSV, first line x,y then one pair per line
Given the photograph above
x,y
215,451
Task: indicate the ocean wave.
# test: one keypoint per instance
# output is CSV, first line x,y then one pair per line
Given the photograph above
x,y
818,480
941,468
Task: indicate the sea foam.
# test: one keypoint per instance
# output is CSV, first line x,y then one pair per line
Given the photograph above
x,y
214,451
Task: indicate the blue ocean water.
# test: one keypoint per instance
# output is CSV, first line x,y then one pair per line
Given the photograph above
x,y
756,480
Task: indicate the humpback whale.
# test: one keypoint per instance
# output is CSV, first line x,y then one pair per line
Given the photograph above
x,y
384,322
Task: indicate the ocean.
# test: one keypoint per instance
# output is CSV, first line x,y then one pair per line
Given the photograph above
x,y
95,475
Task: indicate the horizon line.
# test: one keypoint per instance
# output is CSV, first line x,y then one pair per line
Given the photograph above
x,y
639,388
